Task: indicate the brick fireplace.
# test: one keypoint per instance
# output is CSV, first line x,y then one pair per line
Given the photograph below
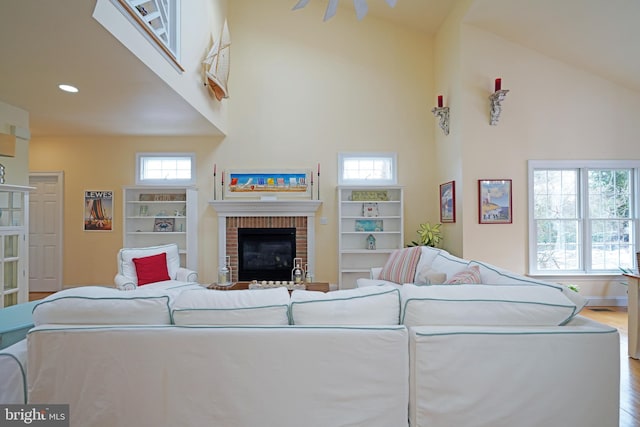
x,y
298,214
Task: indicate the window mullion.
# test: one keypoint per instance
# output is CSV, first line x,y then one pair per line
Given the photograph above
x,y
585,222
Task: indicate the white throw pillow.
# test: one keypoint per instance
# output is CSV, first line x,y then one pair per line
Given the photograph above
x,y
370,305
429,276
244,307
449,264
97,305
427,255
486,305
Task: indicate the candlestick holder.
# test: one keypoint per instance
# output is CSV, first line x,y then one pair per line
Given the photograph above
x,y
496,99
443,114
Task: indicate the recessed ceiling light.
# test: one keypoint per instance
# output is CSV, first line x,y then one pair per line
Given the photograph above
x,y
68,88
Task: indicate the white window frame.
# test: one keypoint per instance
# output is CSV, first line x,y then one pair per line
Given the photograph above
x,y
141,157
584,223
390,157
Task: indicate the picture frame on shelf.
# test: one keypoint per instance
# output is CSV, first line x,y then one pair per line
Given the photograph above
x,y
165,225
369,225
369,195
495,201
370,210
448,202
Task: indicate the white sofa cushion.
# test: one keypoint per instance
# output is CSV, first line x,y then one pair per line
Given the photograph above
x,y
371,305
97,305
127,268
243,307
485,305
492,275
449,264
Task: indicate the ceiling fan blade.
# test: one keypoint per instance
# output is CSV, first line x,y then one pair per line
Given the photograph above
x,y
391,3
361,8
300,4
332,7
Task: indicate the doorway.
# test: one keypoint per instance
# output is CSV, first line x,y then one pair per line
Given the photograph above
x,y
45,231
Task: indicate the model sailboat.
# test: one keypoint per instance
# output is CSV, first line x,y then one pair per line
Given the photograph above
x,y
216,65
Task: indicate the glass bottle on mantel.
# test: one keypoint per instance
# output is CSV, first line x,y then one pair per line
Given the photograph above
x,y
308,276
224,272
297,275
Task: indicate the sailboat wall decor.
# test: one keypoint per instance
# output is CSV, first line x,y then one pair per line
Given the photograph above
x,y
216,65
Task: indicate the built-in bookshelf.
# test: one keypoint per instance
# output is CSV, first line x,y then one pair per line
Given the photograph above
x,y
371,226
160,215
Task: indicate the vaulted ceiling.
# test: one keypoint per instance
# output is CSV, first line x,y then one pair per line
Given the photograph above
x,y
43,43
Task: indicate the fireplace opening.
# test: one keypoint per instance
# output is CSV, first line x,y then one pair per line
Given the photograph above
x,y
266,253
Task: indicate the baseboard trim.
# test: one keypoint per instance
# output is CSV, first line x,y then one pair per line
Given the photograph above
x,y
607,301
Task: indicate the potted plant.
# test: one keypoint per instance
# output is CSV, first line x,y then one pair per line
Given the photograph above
x,y
429,235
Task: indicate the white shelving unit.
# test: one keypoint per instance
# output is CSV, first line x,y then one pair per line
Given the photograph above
x,y
386,225
14,236
160,215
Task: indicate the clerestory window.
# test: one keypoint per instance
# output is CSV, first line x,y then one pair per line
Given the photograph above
x,y
166,169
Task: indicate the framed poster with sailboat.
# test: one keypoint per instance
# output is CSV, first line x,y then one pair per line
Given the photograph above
x,y
98,210
494,197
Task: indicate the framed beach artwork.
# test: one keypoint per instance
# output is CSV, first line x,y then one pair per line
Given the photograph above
x,y
448,202
259,183
494,197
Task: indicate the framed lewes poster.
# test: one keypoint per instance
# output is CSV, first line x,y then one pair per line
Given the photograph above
x,y
494,197
98,210
448,202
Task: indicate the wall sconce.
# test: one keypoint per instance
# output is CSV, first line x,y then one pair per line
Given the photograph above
x,y
496,99
443,114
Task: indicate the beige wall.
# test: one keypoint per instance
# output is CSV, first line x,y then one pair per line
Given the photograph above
x,y
303,90
294,103
200,20
553,111
95,163
16,168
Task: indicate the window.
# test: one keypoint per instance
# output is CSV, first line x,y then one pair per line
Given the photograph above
x,y
367,169
158,21
583,216
165,168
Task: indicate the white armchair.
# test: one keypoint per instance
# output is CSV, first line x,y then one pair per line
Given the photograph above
x,y
127,277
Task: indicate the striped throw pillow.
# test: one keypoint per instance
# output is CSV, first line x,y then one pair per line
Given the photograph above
x,y
469,276
401,265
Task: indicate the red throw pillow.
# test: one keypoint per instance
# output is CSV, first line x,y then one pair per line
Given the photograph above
x,y
151,269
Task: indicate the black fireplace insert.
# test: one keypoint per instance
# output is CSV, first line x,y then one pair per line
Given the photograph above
x,y
266,253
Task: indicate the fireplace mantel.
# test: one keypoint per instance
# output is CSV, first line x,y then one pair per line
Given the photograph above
x,y
228,209
266,207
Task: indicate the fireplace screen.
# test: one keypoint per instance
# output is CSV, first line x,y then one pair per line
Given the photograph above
x,y
266,253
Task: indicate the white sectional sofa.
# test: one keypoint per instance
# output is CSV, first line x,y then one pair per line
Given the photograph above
x,y
387,356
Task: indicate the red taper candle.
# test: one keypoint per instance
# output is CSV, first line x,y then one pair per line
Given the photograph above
x,y
439,101
498,84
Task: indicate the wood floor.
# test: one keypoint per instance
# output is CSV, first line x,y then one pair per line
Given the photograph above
x,y
629,368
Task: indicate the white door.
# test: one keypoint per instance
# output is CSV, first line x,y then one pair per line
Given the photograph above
x,y
45,232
